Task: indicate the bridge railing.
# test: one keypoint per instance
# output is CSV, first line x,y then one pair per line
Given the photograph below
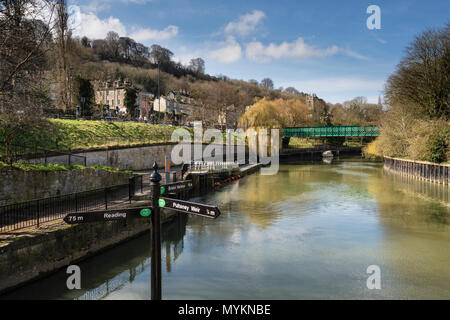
x,y
335,131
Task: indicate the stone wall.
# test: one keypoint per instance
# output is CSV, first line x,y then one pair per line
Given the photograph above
x,y
33,257
128,158
18,185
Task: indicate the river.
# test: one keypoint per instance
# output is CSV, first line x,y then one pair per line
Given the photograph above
x,y
309,232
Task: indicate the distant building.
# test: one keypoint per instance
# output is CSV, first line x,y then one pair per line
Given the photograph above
x,y
229,117
112,94
144,103
178,102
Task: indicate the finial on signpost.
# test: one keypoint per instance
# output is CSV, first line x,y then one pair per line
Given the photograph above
x,y
155,176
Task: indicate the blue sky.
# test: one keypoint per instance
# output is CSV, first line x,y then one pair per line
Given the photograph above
x,y
321,47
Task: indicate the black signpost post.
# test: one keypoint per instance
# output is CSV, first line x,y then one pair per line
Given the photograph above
x,y
155,189
153,212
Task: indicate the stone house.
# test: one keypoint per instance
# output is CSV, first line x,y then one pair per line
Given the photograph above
x,y
111,94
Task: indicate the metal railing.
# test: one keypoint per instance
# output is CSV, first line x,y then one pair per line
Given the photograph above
x,y
35,212
336,131
36,155
212,166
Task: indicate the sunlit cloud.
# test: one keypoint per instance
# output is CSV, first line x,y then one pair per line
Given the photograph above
x,y
256,51
145,34
229,51
90,25
246,24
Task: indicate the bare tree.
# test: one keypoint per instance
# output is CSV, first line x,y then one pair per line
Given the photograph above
x,y
292,90
267,83
197,65
26,34
422,78
63,69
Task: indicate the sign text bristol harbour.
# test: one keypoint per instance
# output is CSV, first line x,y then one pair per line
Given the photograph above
x,y
154,214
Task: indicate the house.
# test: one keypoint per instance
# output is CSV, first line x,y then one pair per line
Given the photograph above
x,y
111,94
144,103
175,101
229,117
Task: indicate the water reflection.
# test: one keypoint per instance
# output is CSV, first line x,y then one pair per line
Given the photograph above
x,y
309,232
113,270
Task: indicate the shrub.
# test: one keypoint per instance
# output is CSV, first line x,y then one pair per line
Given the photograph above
x,y
438,144
372,151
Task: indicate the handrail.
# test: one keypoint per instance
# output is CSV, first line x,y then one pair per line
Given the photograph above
x,y
43,153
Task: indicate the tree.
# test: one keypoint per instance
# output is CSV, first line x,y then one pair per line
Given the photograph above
x,y
161,55
267,83
197,65
422,78
292,90
279,113
25,38
113,45
130,101
23,42
85,95
85,42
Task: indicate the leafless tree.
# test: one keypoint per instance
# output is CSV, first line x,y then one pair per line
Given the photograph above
x,y
422,78
26,34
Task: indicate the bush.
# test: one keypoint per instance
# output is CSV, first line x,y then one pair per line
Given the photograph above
x,y
438,144
405,136
372,151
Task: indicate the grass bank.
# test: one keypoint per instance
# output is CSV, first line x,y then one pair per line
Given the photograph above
x,y
53,167
66,135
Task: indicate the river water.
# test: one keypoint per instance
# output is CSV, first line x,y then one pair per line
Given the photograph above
x,y
309,232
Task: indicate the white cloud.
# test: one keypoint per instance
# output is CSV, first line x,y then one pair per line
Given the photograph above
x,y
90,25
256,51
246,23
340,89
144,34
229,52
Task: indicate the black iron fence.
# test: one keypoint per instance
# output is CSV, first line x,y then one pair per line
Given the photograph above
x,y
35,212
11,153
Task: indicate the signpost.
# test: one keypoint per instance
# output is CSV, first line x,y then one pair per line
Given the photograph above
x,y
107,215
154,213
176,187
190,207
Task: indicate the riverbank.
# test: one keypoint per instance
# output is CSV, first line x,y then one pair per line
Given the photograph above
x,y
35,253
286,236
423,170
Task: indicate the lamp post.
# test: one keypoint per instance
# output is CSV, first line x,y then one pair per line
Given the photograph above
x,y
159,97
83,101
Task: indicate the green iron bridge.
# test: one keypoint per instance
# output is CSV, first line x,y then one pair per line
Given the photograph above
x,y
338,131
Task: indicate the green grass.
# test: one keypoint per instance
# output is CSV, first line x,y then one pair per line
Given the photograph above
x,y
67,135
83,134
295,142
23,166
